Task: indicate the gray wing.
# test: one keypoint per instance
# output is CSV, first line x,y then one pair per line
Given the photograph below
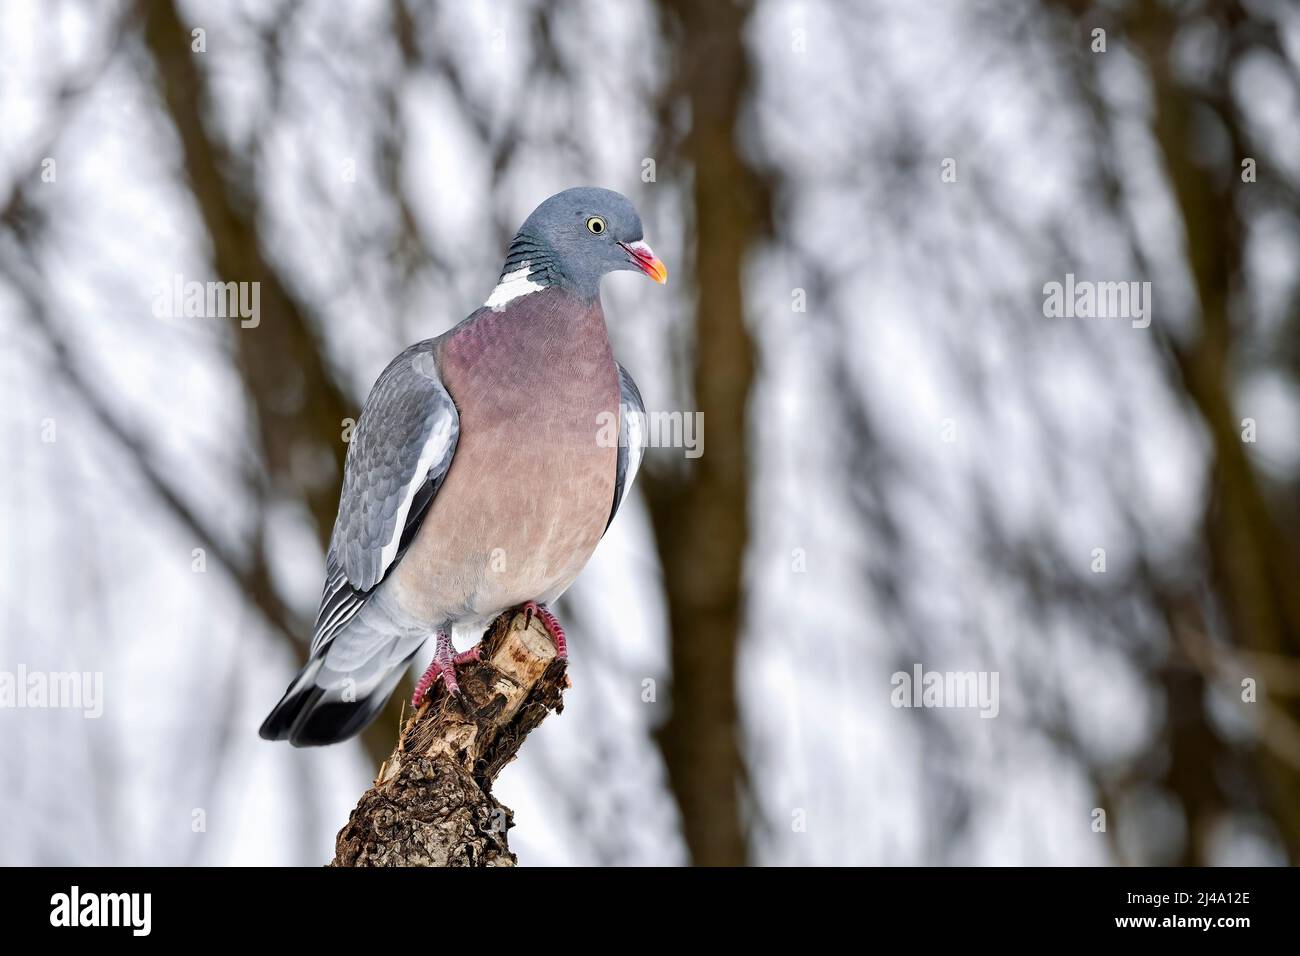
x,y
631,438
400,452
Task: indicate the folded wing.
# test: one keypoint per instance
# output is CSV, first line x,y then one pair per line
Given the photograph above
x,y
400,452
631,438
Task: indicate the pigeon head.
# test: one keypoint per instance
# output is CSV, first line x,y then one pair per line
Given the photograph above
x,y
578,236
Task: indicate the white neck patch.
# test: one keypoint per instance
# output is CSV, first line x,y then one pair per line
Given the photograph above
x,y
513,285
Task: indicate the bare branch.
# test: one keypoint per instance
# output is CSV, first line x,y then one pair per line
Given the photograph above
x,y
432,802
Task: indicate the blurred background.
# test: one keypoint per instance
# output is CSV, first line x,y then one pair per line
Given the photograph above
x,y
905,461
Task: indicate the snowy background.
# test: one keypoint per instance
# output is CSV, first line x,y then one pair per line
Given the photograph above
x,y
930,464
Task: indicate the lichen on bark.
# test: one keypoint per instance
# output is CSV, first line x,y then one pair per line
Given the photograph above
x,y
431,803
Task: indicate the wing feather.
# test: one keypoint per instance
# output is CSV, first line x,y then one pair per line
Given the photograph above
x,y
400,452
631,438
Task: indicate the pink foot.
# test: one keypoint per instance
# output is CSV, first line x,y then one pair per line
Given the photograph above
x,y
444,665
552,625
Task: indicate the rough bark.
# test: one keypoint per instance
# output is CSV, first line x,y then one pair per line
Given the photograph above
x,y
432,802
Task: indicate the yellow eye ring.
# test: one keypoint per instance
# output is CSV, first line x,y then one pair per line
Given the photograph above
x,y
595,225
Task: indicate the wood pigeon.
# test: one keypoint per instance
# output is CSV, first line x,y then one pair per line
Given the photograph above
x,y
483,471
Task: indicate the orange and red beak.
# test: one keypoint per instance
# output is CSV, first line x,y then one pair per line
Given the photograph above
x,y
646,260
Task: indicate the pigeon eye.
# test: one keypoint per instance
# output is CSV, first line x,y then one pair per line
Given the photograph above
x,y
596,225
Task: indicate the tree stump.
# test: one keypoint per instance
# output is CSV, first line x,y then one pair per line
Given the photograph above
x,y
432,803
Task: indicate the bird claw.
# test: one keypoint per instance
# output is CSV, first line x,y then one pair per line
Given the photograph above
x,y
552,625
443,666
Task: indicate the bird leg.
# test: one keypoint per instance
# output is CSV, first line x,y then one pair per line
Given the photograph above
x,y
445,662
552,625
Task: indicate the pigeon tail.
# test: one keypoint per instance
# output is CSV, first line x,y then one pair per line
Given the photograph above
x,y
346,682
318,709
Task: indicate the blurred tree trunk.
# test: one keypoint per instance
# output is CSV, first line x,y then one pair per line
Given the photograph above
x,y
1254,560
700,516
299,407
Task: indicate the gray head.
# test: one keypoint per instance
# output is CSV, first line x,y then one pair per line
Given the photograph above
x,y
579,235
